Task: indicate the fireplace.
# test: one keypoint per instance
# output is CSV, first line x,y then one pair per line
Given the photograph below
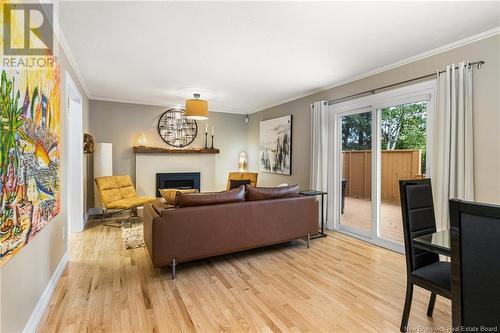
x,y
180,180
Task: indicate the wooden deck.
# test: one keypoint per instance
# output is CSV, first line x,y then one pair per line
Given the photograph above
x,y
357,214
340,284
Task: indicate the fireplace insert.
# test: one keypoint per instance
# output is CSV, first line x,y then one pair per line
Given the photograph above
x,y
180,180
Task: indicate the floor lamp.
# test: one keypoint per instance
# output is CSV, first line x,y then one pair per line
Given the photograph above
x,y
103,166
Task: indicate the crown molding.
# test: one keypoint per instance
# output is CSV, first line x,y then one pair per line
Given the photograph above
x,y
61,38
133,101
468,40
150,103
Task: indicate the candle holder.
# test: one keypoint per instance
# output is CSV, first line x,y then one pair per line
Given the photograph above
x,y
206,140
212,142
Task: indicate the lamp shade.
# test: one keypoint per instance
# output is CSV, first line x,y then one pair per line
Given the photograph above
x,y
196,108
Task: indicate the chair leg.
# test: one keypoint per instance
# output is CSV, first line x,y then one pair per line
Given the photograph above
x,y
406,310
105,211
173,268
131,217
432,302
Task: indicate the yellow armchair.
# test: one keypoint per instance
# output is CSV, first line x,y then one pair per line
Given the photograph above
x,y
118,192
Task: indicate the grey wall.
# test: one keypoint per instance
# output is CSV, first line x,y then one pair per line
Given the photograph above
x,y
24,277
486,115
122,123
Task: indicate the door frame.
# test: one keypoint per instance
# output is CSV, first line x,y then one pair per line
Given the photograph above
x,y
338,183
73,178
373,103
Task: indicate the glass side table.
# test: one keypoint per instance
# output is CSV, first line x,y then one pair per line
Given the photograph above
x,y
313,193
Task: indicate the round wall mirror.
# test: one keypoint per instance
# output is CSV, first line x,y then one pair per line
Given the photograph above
x,y
175,129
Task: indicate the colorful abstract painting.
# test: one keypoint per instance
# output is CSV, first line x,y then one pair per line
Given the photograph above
x,y
30,150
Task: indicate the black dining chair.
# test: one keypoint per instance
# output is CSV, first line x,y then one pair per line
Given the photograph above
x,y
475,266
423,267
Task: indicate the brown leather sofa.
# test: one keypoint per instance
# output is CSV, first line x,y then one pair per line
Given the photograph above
x,y
175,235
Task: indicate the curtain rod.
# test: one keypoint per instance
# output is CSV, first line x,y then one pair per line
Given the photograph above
x,y
478,64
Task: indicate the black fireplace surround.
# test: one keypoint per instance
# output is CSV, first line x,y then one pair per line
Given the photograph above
x,y
179,180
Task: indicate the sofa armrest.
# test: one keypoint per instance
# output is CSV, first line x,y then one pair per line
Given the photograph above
x,y
149,217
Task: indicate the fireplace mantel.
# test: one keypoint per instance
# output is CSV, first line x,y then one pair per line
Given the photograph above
x,y
160,150
148,164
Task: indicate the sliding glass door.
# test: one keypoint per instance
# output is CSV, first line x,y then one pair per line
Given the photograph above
x,y
403,147
380,141
356,161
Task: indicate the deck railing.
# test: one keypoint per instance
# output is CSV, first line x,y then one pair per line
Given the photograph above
x,y
395,165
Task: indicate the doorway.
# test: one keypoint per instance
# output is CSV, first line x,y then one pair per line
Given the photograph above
x,y
73,158
380,139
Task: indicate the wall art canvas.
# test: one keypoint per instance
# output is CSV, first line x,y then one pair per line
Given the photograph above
x,y
276,145
30,151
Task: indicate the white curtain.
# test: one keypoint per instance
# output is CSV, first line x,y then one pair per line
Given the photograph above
x,y
322,152
453,163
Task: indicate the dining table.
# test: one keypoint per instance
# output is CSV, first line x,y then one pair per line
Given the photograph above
x,y
437,242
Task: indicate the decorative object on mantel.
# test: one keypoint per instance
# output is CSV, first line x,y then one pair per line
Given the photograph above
x,y
212,137
88,144
142,141
176,129
243,162
276,145
160,150
206,136
196,108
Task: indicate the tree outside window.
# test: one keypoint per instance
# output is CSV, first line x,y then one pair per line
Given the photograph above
x,y
402,127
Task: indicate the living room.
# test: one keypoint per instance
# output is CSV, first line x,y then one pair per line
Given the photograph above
x,y
250,166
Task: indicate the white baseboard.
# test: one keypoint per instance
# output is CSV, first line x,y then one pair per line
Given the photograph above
x,y
44,299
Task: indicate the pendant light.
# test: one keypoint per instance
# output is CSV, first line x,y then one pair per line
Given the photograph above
x,y
196,108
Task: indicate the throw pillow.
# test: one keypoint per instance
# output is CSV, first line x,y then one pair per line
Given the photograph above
x,y
169,194
211,198
268,193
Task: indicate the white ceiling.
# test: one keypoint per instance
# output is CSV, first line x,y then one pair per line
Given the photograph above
x,y
251,55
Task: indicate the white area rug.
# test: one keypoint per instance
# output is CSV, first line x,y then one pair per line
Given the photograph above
x,y
133,236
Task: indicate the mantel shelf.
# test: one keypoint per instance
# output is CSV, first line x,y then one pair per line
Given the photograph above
x,y
159,150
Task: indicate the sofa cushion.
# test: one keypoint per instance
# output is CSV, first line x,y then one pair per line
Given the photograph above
x,y
130,203
210,198
268,193
169,194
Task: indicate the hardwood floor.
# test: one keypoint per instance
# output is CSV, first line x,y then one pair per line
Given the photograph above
x,y
338,285
358,215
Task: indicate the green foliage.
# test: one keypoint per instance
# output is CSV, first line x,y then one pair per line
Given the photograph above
x,y
356,131
402,127
10,123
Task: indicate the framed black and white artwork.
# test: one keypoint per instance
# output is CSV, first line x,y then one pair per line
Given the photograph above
x,y
276,145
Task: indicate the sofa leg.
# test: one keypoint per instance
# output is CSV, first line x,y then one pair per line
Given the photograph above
x,y
308,239
173,268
